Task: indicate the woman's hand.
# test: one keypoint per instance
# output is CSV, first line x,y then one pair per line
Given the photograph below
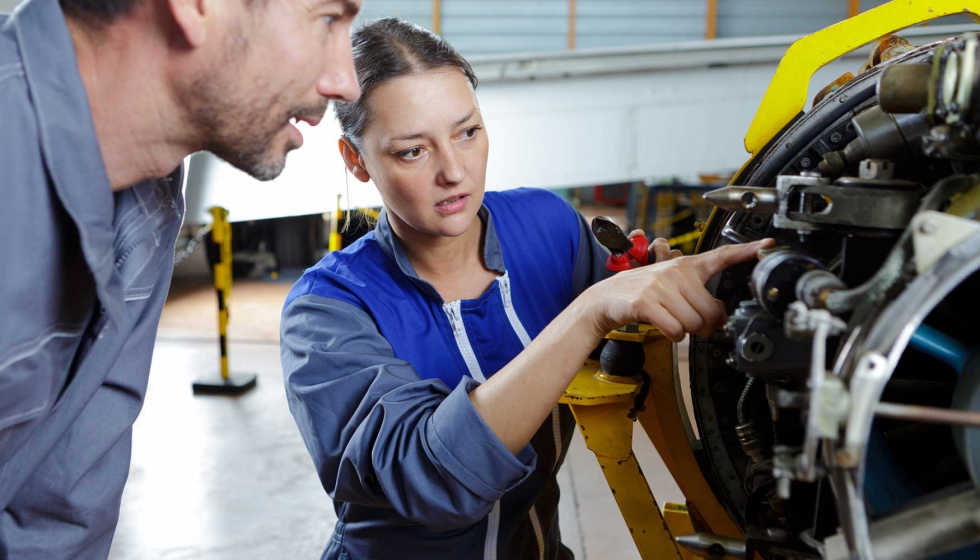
x,y
659,250
669,294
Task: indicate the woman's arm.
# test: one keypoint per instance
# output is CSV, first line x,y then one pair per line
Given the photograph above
x,y
380,436
670,295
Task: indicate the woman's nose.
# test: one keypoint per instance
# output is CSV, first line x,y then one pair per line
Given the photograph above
x,y
451,170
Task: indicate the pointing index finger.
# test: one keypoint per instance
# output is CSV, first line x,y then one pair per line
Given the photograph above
x,y
708,264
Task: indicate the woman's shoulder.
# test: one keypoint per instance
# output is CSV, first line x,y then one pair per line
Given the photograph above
x,y
340,274
528,199
526,209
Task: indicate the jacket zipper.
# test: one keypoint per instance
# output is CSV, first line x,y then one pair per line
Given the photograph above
x,y
462,341
521,332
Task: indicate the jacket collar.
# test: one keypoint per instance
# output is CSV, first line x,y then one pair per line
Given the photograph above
x,y
392,246
67,134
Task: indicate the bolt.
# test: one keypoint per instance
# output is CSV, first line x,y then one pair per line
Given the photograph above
x,y
772,294
777,533
789,145
805,163
728,284
835,138
927,227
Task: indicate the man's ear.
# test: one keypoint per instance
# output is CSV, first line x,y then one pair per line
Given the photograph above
x,y
352,159
193,17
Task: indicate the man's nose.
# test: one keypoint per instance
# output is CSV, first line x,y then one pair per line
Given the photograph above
x,y
339,80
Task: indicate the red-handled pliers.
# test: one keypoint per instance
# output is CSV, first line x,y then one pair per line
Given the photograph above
x,y
623,248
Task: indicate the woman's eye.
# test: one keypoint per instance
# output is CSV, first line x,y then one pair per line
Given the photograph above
x,y
413,153
470,132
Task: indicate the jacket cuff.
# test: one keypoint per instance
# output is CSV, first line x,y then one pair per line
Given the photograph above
x,y
466,447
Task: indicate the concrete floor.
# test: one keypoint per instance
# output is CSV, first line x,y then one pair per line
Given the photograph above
x,y
229,478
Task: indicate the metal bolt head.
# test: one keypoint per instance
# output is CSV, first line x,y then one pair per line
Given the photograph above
x,y
772,294
927,227
835,137
805,163
876,169
777,533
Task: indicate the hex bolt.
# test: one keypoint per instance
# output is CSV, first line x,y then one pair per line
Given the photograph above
x,y
835,137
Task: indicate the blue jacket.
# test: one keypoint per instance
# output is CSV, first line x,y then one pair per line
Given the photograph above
x,y
378,369
86,278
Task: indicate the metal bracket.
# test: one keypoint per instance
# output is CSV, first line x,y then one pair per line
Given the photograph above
x,y
935,233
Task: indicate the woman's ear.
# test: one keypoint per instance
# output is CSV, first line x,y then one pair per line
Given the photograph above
x,y
352,159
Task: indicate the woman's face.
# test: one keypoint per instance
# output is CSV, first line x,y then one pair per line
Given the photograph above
x,y
426,148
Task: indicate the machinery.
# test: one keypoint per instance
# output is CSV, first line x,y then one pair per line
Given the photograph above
x,y
839,409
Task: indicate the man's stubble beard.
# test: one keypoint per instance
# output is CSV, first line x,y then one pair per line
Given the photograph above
x,y
232,120
240,131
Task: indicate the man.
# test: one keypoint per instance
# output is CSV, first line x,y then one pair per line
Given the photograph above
x,y
100,100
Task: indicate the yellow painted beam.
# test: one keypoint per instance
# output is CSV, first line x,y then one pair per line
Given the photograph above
x,y
640,511
678,520
711,23
437,17
665,421
787,93
571,25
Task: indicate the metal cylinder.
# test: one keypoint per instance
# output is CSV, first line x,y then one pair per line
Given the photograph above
x,y
904,88
752,441
813,287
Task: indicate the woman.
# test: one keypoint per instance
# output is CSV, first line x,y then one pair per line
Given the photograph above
x,y
424,363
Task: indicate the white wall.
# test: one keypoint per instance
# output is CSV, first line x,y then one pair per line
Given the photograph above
x,y
7,5
671,120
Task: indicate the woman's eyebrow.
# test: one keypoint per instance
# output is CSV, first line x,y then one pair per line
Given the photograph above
x,y
418,135
466,118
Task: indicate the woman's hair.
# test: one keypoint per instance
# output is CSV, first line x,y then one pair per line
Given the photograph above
x,y
388,48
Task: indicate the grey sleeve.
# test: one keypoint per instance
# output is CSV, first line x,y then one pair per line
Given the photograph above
x,y
379,435
590,262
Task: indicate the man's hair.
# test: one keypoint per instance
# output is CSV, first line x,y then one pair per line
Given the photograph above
x,y
388,48
97,11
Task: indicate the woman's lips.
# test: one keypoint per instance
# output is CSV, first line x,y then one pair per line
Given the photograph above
x,y
452,205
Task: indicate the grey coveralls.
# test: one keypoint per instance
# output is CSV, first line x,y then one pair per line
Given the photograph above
x,y
86,275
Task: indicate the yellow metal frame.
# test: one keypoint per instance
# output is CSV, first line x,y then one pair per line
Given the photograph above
x,y
787,93
602,404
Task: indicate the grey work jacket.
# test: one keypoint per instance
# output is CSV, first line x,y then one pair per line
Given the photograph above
x,y
86,275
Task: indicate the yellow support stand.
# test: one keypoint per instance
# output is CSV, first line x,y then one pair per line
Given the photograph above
x,y
602,405
228,384
336,242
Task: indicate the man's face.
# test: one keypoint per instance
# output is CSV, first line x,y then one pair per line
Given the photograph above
x,y
280,61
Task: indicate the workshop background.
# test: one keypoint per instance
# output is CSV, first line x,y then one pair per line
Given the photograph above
x,y
628,108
